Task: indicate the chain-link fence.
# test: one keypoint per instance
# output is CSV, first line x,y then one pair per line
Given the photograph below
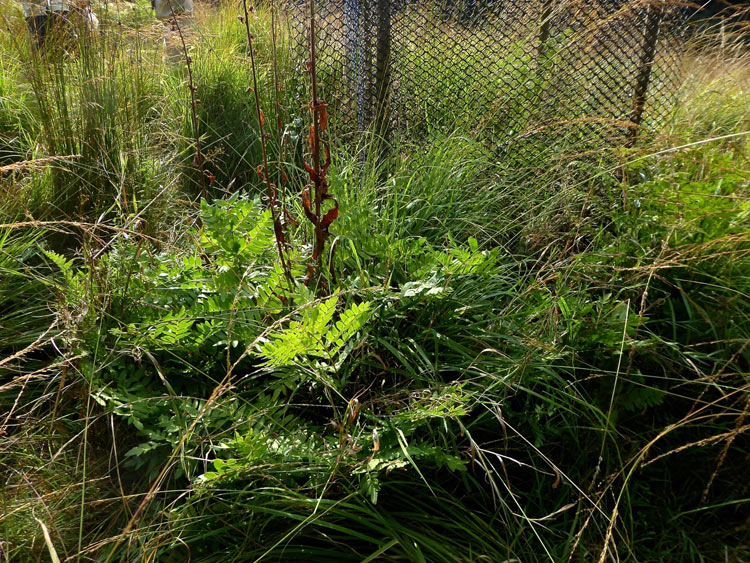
x,y
527,71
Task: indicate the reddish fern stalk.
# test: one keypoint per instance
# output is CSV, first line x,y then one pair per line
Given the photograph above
x,y
312,202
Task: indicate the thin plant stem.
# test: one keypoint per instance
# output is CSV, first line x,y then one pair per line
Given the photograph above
x,y
198,158
317,172
279,119
276,85
270,188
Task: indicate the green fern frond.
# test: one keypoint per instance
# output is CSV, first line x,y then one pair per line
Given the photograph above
x,y
65,266
315,335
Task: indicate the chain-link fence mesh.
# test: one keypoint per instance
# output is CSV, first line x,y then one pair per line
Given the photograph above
x,y
527,71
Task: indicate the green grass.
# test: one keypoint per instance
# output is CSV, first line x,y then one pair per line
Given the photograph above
x,y
120,119
533,358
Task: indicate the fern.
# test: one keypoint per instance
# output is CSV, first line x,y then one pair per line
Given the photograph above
x,y
637,395
65,266
238,231
438,268
315,334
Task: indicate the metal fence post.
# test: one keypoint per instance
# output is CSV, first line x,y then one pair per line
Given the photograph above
x,y
544,29
654,18
383,68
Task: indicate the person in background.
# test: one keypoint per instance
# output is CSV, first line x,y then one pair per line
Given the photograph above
x,y
176,16
163,9
45,18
